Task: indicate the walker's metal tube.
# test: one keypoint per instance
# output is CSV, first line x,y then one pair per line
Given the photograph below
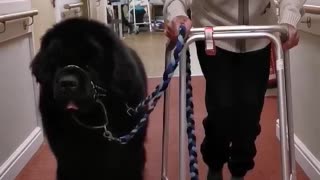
x,y
239,28
283,113
244,28
165,131
282,100
290,125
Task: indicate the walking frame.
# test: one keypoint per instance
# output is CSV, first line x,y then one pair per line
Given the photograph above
x,y
284,94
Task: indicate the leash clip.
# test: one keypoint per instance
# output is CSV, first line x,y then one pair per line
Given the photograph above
x,y
209,41
107,134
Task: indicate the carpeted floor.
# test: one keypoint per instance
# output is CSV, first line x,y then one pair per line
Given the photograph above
x,y
42,166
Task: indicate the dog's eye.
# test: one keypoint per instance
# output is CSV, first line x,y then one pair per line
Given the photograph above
x,y
87,68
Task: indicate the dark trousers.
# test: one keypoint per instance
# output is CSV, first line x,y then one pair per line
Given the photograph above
x,y
235,87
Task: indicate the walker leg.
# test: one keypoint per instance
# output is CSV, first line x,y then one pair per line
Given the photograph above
x,y
120,21
291,147
165,131
286,156
134,14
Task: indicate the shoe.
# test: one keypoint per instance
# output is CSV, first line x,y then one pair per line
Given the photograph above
x,y
214,175
237,178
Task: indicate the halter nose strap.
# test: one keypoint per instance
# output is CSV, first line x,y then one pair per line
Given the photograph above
x,y
98,91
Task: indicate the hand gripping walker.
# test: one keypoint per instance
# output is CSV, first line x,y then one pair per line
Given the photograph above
x,y
208,34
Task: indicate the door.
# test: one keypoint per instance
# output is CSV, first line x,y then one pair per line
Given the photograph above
x,y
69,8
20,128
94,9
102,11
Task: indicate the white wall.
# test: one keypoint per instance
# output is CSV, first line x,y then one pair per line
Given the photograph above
x,y
305,77
306,87
20,133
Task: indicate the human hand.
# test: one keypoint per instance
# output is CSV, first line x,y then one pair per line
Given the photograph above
x,y
171,29
293,38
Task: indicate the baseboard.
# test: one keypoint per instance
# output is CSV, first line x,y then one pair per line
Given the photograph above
x,y
20,157
307,161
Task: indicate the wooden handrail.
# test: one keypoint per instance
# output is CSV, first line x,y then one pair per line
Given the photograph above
x,y
311,9
18,15
73,5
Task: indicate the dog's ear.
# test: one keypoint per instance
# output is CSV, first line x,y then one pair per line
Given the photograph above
x,y
39,69
43,64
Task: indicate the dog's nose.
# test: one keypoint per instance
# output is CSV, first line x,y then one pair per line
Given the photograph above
x,y
68,82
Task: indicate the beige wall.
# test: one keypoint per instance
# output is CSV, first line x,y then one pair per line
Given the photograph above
x,y
305,75
305,78
44,20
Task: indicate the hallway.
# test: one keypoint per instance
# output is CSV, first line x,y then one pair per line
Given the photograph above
x,y
24,151
151,48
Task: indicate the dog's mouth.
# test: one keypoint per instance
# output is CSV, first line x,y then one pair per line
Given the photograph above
x,y
79,107
93,116
71,106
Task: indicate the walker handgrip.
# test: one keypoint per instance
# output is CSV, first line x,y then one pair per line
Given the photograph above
x,y
170,45
284,35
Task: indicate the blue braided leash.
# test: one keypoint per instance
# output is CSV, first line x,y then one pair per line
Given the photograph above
x,y
150,102
193,164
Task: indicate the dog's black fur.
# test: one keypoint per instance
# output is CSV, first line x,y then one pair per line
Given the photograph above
x,y
83,153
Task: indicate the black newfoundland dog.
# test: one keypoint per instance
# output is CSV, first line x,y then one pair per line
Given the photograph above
x,y
88,80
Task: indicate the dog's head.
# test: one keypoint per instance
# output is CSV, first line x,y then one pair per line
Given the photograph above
x,y
76,62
